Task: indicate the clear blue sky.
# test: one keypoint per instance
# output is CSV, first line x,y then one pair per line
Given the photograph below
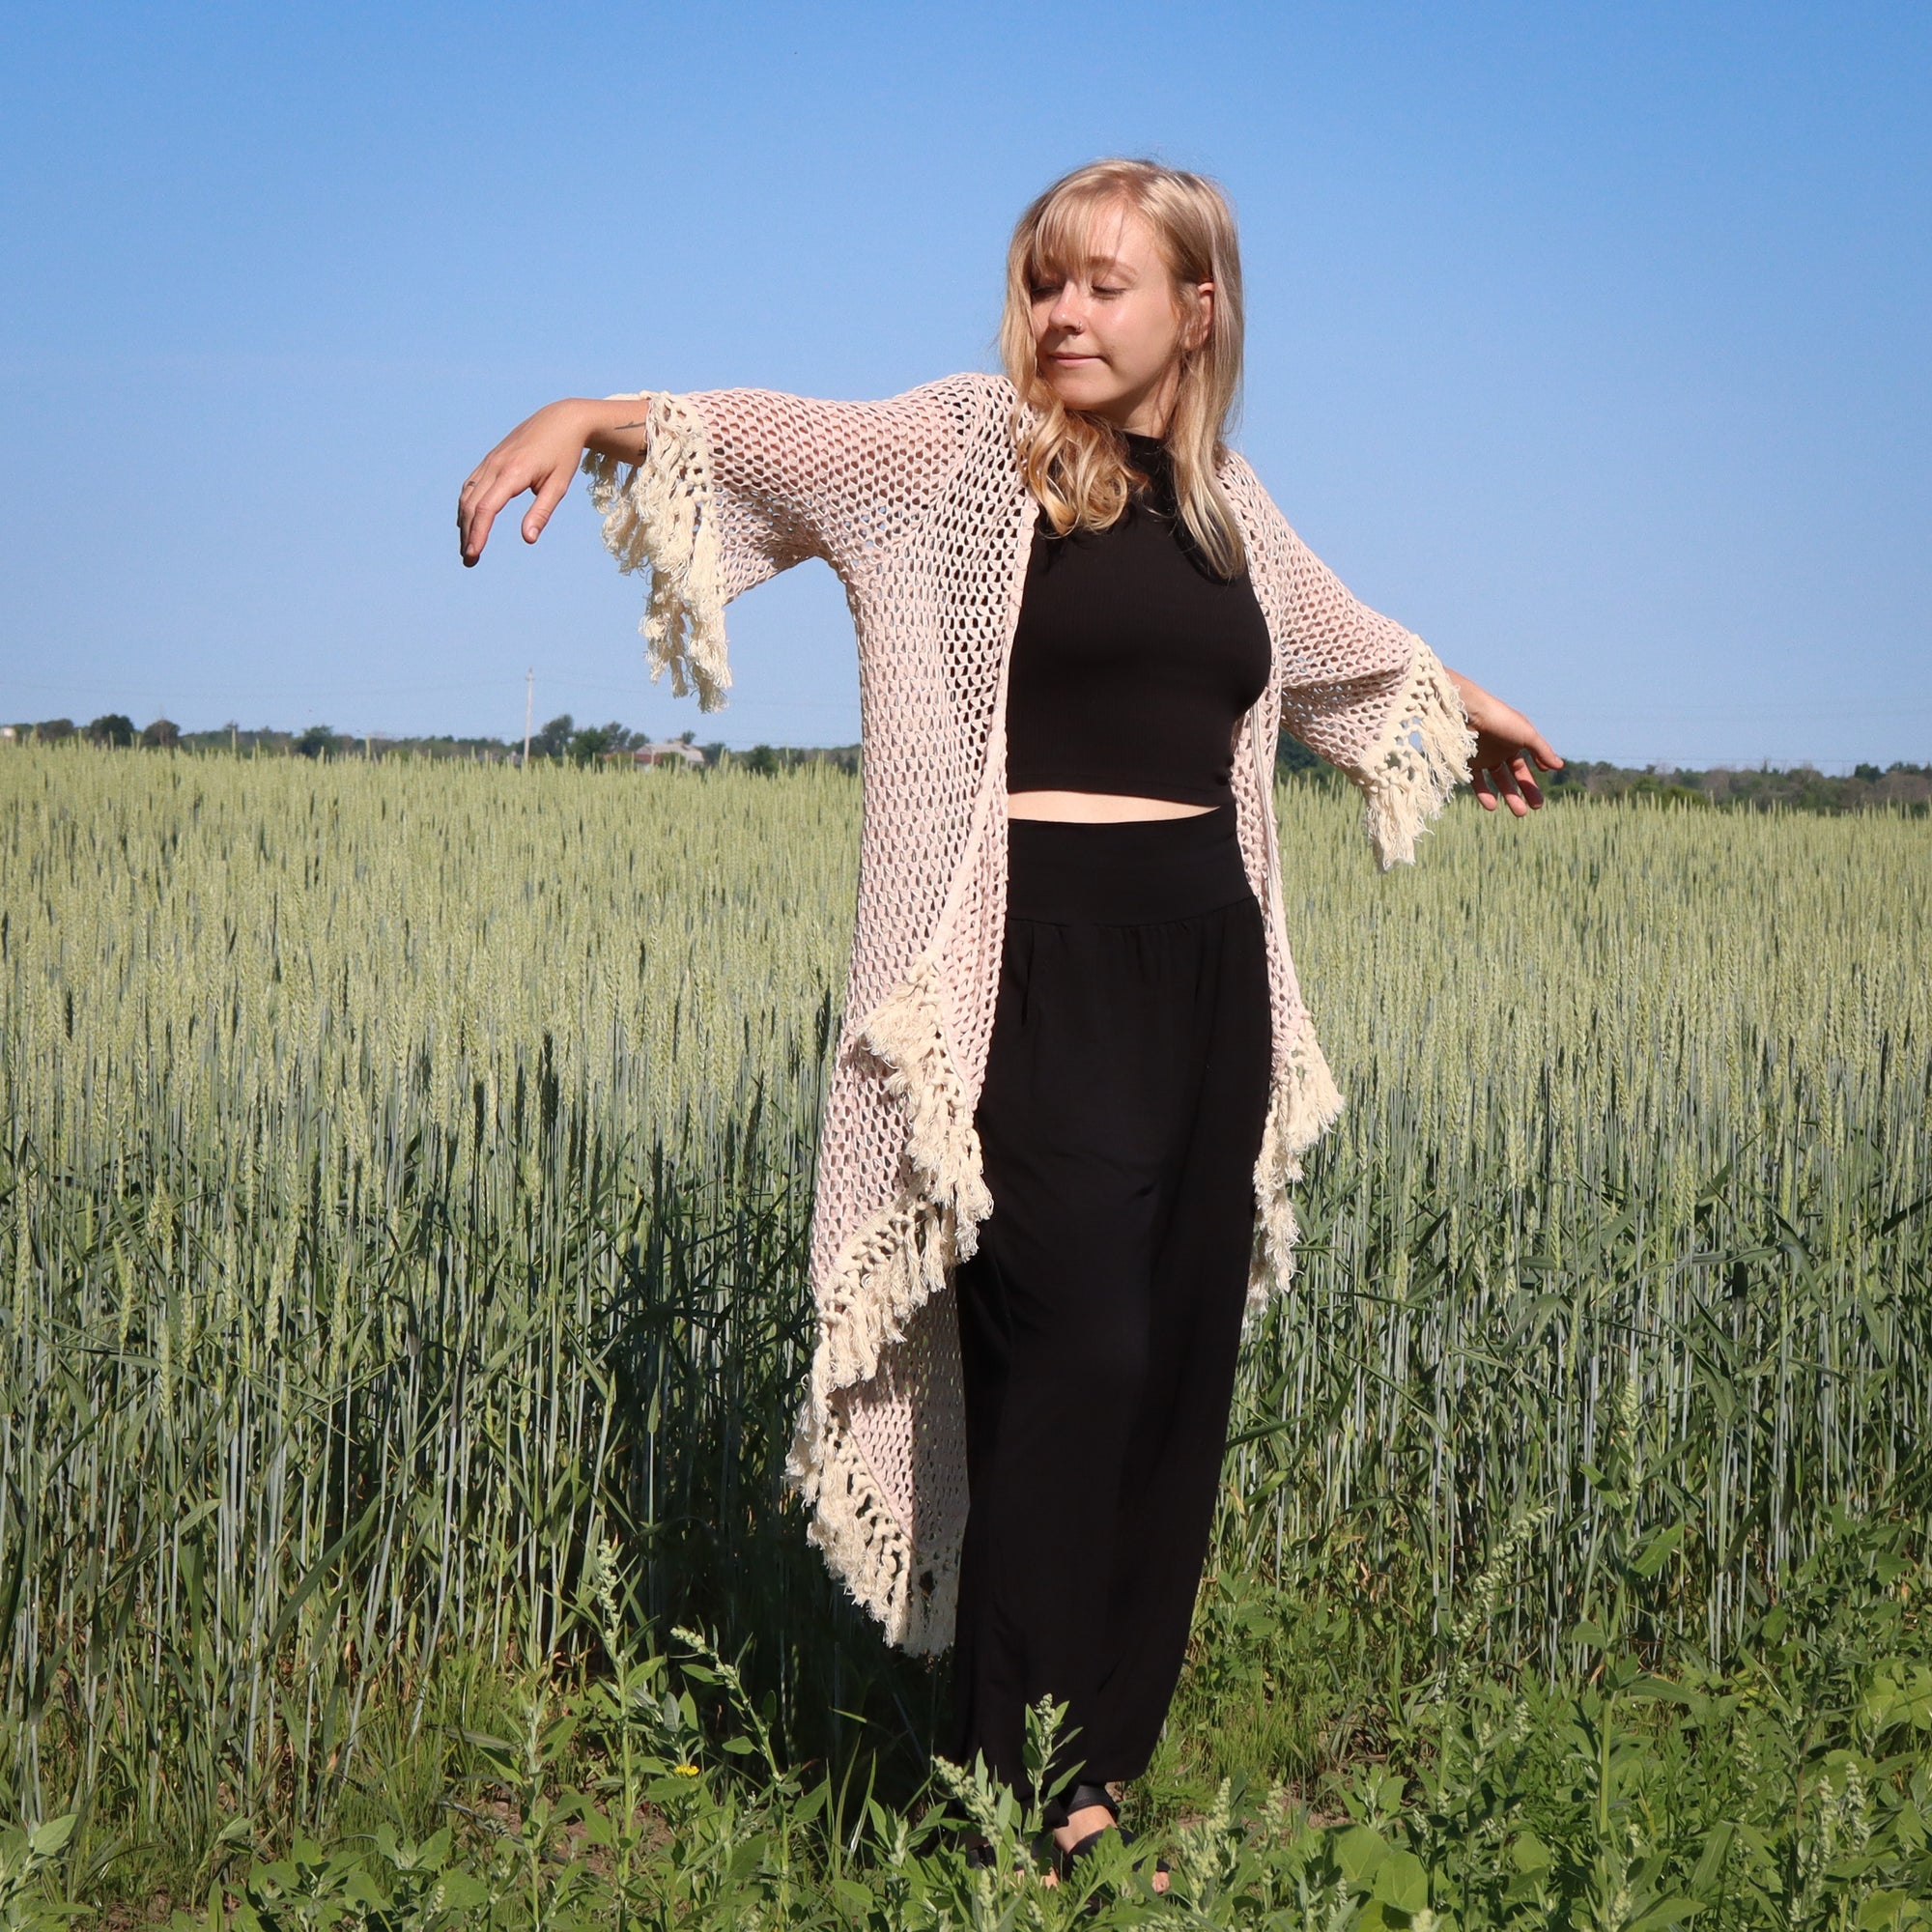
x,y
1590,341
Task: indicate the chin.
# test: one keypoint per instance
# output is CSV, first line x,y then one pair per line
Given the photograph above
x,y
1090,398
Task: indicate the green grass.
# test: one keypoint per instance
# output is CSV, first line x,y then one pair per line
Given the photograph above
x,y
405,1186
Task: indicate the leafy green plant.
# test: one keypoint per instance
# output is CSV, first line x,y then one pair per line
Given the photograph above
x,y
28,1858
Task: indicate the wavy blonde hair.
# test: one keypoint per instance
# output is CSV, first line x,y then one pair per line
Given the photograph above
x,y
1077,464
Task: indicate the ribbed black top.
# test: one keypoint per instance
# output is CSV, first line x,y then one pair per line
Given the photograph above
x,y
1133,661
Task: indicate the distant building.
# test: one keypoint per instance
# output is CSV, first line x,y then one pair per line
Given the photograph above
x,y
670,752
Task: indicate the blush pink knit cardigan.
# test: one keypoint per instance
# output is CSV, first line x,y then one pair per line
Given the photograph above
x,y
919,504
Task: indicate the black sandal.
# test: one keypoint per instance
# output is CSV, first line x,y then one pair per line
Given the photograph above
x,y
979,1856
1082,1796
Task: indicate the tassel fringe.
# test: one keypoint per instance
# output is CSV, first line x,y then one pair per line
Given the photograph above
x,y
890,1266
1422,756
660,514
863,1543
908,1033
1304,1107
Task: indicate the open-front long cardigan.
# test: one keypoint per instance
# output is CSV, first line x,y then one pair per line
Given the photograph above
x,y
919,504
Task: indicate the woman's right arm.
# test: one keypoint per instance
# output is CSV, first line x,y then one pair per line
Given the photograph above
x,y
541,455
717,490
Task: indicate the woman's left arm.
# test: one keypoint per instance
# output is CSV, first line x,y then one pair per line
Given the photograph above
x,y
1507,744
1368,694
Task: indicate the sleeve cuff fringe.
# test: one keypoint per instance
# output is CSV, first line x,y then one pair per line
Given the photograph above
x,y
1423,755
660,513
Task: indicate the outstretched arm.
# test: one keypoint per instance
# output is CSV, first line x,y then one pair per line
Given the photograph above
x,y
716,491
541,455
1506,745
1369,695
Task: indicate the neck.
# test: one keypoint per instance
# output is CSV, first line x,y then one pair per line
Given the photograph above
x,y
1149,419
1148,413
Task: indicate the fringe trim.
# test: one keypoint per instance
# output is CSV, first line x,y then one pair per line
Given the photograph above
x,y
890,1266
662,514
908,1033
865,1546
1421,757
1304,1107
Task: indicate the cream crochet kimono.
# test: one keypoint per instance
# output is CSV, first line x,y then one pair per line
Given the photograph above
x,y
919,504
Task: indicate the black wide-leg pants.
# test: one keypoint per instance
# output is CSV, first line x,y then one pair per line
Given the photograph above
x,y
1121,1114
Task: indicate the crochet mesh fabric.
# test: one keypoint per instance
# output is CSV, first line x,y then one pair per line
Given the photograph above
x,y
919,504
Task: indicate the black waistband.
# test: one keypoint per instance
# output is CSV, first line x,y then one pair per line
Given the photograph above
x,y
1126,873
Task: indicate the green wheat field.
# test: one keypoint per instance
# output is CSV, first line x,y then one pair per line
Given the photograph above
x,y
403,1204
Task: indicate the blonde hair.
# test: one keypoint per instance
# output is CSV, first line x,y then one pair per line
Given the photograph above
x,y
1078,465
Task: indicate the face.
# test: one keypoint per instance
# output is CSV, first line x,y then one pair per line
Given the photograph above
x,y
1108,335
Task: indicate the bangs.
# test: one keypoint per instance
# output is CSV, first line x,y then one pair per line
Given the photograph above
x,y
1079,227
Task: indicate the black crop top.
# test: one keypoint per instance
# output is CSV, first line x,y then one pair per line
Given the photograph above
x,y
1133,661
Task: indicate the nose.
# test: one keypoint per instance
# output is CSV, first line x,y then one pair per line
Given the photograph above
x,y
1066,310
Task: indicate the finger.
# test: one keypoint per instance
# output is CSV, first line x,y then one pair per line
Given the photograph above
x,y
1484,786
1525,780
477,533
1513,795
1538,750
483,515
467,503
473,532
549,496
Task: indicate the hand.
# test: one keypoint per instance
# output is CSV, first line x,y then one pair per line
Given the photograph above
x,y
539,455
1506,742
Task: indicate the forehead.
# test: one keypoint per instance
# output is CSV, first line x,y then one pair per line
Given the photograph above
x,y
1088,231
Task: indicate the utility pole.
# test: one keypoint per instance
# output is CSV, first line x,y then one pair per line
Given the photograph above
x,y
530,692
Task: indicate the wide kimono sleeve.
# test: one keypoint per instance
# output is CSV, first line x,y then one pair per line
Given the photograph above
x,y
1371,697
736,485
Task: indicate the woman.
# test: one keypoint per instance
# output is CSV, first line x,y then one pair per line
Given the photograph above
x,y
1076,1078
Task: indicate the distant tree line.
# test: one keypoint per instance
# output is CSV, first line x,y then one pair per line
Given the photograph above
x,y
565,738
563,741
1751,787
767,760
1793,787
315,741
113,727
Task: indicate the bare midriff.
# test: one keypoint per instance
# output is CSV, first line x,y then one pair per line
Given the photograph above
x,y
1095,807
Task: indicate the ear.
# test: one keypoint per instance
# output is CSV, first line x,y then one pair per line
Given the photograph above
x,y
1201,323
